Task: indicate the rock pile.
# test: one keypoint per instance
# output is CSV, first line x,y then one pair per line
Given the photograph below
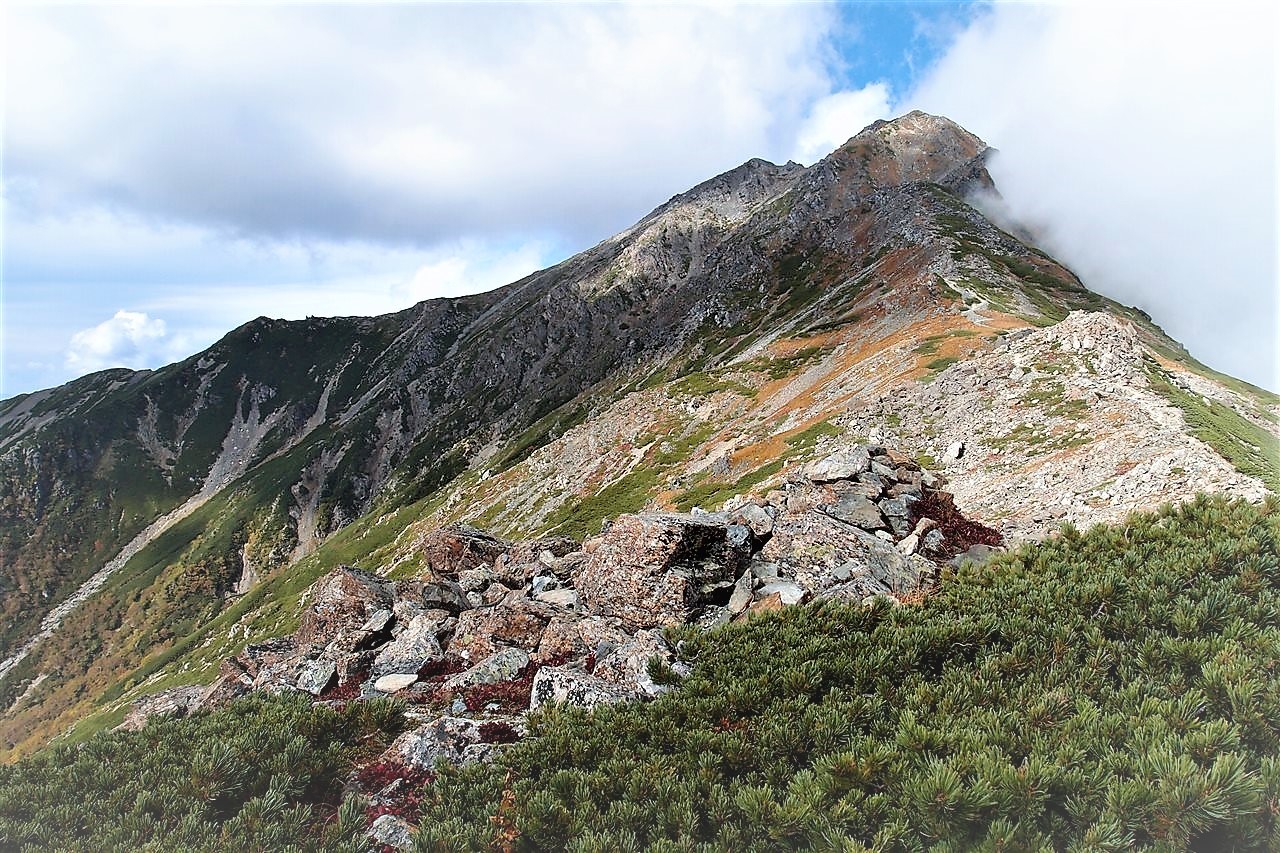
x,y
491,629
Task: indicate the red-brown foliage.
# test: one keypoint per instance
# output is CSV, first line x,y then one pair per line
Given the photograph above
x,y
498,732
958,532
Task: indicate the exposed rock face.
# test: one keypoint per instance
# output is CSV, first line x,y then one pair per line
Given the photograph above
x,y
342,604
651,571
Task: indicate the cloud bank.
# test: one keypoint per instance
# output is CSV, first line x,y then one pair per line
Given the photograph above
x,y
1140,142
409,124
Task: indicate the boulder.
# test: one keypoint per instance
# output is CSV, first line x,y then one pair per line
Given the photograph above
x,y
412,648
519,624
627,666
573,636
648,570
502,665
395,683
448,738
788,592
566,598
456,548
897,511
569,686
755,518
740,600
391,831
844,465
853,508
820,553
341,603
175,702
536,556
316,675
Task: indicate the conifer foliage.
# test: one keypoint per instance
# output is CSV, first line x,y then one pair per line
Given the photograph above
x,y
267,773
1103,691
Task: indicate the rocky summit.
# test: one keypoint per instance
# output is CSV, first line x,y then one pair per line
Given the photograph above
x,y
787,385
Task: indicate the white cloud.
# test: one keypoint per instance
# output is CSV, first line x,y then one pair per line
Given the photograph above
x,y
1140,140
410,123
834,119
128,339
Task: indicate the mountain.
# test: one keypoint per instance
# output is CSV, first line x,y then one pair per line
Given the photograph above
x,y
154,523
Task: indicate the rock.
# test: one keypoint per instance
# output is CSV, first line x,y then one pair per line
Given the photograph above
x,y
525,559
821,553
343,600
908,545
519,624
977,554
415,645
856,510
566,598
378,622
392,831
897,511
544,583
456,548
627,666
768,604
788,592
444,595
445,738
755,518
394,683
574,636
932,542
175,702
839,466
883,471
502,665
569,686
477,579
316,675
764,571
955,450
740,600
647,570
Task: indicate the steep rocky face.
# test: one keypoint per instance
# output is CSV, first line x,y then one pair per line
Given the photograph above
x,y
155,522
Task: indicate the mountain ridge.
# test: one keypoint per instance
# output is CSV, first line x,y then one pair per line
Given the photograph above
x,y
760,278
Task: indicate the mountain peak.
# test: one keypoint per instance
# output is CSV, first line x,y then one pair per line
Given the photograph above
x,y
917,146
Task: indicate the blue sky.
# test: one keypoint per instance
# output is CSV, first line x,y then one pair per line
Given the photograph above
x,y
172,172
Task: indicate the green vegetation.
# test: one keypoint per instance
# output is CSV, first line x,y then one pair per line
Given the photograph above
x,y
807,438
709,494
1241,442
938,365
1051,398
263,774
1103,691
627,494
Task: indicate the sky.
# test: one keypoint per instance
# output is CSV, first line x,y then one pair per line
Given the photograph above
x,y
170,172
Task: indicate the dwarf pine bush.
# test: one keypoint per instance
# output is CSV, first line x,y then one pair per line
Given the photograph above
x,y
264,774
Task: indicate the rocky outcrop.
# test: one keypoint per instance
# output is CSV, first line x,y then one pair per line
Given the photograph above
x,y
655,570
584,626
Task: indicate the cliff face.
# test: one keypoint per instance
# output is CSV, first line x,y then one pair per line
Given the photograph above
x,y
151,522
